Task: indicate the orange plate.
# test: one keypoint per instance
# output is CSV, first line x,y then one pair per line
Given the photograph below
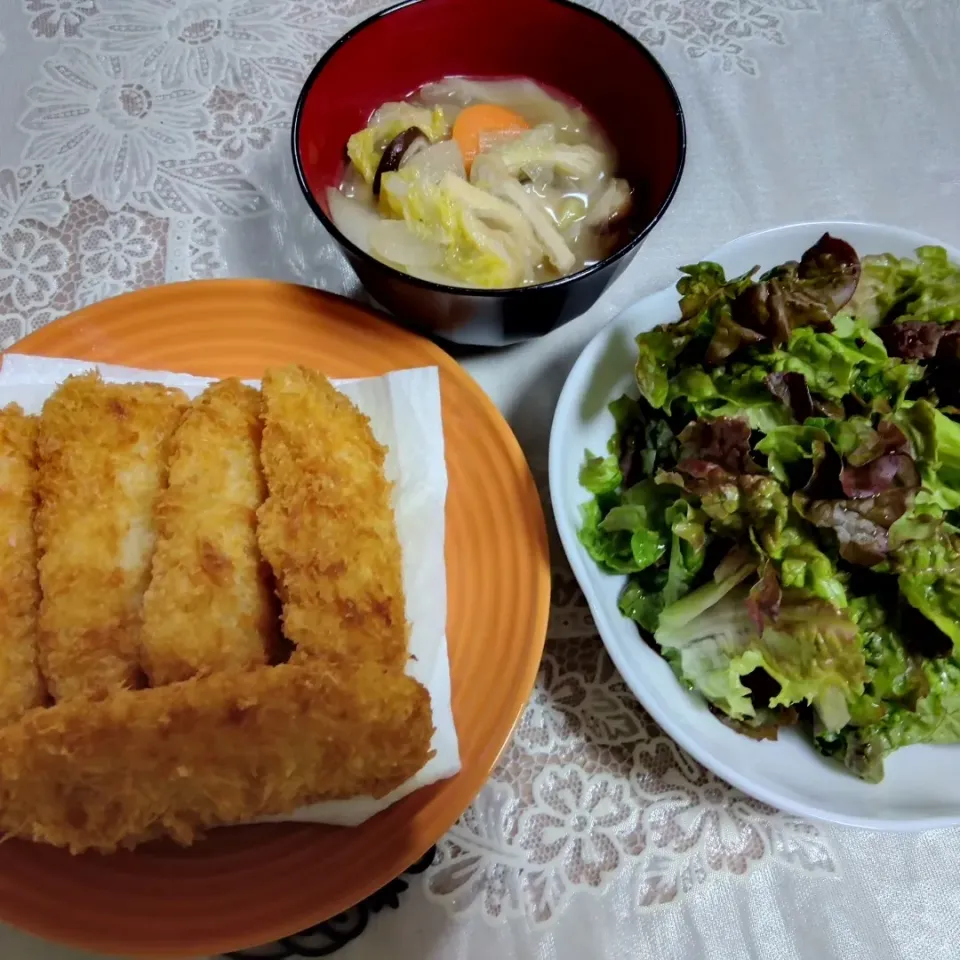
x,y
248,885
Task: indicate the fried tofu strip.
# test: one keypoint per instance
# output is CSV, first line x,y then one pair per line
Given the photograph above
x,y
228,748
20,685
102,456
210,605
327,527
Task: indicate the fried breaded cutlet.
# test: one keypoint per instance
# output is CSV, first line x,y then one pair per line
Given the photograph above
x,y
227,748
20,685
327,526
210,604
102,455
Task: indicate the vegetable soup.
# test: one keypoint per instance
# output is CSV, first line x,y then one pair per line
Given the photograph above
x,y
484,184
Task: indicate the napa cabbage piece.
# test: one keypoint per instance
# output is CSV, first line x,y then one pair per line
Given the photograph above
x,y
482,241
355,219
531,153
366,146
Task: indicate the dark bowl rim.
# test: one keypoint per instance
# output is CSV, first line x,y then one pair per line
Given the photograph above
x,y
600,265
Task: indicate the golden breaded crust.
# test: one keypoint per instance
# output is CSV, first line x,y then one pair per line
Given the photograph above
x,y
102,455
327,527
20,686
210,604
227,748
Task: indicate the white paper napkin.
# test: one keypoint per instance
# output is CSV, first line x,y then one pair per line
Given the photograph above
x,y
404,411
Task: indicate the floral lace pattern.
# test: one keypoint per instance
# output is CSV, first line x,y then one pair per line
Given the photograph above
x,y
723,31
58,19
117,247
95,124
257,48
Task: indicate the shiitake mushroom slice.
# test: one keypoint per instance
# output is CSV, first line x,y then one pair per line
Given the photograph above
x,y
393,154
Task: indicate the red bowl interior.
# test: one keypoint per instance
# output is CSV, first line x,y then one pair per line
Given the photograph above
x,y
551,41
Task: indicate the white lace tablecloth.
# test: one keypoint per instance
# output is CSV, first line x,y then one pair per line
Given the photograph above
x,y
146,141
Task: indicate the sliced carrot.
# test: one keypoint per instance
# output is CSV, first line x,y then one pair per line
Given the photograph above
x,y
483,118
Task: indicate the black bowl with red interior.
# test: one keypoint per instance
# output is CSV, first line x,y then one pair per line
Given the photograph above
x,y
563,47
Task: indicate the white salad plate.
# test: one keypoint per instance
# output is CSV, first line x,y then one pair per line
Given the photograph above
x,y
921,786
